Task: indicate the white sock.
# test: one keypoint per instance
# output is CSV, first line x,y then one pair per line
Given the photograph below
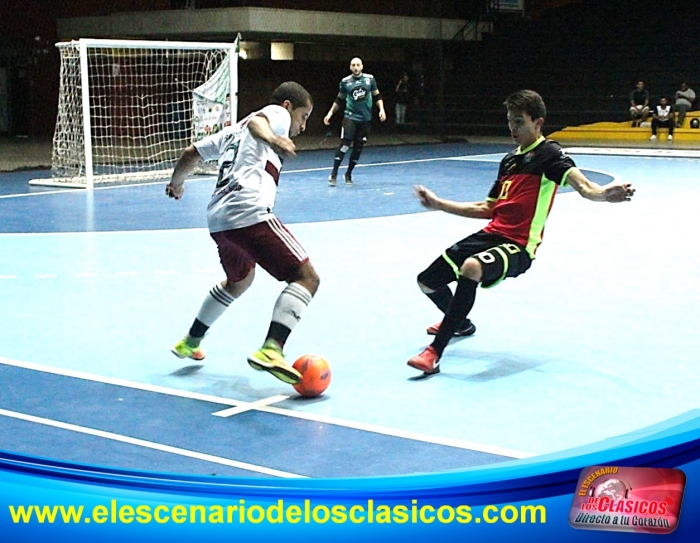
x,y
290,305
214,305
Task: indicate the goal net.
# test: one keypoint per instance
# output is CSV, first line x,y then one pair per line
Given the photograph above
x,y
127,109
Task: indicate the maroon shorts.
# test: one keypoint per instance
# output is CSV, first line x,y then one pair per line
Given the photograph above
x,y
267,243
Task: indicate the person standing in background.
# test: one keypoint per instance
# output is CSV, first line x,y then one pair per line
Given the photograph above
x,y
401,99
357,94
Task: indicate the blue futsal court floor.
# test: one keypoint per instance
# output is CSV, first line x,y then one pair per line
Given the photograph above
x,y
597,340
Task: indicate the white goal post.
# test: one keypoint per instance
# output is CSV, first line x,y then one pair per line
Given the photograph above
x,y
127,108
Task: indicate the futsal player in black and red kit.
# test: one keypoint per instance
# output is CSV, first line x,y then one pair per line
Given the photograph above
x,y
517,206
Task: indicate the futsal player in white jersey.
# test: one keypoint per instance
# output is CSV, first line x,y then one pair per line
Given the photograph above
x,y
245,229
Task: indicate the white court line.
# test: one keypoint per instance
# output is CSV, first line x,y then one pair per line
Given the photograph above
x,y
405,434
104,233
90,275
210,177
151,445
120,382
652,153
639,152
254,405
276,410
81,191
493,157
615,177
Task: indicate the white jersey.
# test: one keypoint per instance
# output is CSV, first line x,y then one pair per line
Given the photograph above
x,y
663,113
248,172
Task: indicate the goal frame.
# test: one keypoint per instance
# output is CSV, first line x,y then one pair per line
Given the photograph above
x,y
84,45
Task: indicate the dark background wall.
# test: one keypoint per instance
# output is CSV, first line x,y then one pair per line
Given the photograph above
x,y
584,56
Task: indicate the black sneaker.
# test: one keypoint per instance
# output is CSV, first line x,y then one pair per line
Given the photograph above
x,y
331,180
467,329
348,179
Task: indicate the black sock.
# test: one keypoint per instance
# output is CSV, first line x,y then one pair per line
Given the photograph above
x,y
354,157
278,332
339,155
462,303
198,329
441,298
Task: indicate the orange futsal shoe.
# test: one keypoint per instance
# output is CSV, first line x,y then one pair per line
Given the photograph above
x,y
428,361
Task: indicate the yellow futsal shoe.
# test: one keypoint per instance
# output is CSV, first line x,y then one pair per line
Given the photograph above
x,y
182,349
270,359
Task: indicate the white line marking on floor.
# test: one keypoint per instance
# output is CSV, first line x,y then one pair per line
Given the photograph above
x,y
639,152
478,158
254,405
276,410
120,382
83,275
489,157
151,445
210,177
373,164
406,434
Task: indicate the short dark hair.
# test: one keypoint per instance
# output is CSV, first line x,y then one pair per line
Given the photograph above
x,y
294,92
528,101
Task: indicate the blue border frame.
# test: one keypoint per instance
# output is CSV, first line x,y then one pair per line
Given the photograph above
x,y
545,480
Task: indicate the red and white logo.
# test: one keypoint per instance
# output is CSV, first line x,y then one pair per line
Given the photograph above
x,y
624,499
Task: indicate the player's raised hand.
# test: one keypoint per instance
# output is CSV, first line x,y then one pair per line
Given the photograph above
x,y
622,192
426,196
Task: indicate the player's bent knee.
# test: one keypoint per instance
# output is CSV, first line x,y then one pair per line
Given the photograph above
x,y
237,288
471,269
424,288
308,278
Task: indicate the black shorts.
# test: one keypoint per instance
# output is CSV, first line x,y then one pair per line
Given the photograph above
x,y
499,258
354,131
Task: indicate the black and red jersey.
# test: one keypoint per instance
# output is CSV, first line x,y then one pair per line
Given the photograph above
x,y
527,182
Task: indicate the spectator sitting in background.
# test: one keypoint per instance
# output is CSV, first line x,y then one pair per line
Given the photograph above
x,y
662,117
684,102
639,104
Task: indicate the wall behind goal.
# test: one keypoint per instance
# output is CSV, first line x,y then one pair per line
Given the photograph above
x,y
25,20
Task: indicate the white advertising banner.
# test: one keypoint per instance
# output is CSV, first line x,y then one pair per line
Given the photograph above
x,y
211,102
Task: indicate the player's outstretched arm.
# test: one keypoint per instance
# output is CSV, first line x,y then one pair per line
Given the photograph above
x,y
185,165
260,128
612,192
472,210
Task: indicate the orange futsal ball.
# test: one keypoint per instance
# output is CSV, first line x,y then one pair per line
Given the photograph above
x,y
315,375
